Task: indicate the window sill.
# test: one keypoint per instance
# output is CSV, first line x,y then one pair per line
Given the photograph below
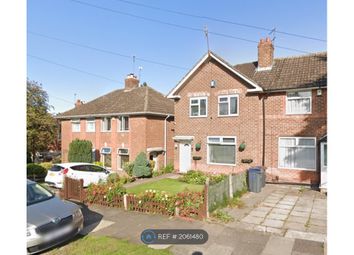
x,y
193,117
306,113
225,116
298,169
123,131
105,131
221,164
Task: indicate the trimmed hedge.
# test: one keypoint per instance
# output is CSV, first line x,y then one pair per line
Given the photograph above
x,y
80,151
35,171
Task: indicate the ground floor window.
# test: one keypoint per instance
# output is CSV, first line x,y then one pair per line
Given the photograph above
x,y
297,152
123,157
107,156
221,150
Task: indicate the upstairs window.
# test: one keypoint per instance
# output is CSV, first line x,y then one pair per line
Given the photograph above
x,y
198,107
228,105
75,125
106,124
298,102
90,125
124,123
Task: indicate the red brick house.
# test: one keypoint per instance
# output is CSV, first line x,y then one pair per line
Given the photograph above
x,y
271,112
121,124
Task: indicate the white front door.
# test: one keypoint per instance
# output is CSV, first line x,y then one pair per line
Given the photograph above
x,y
184,157
323,165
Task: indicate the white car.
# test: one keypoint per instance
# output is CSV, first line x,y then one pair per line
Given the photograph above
x,y
90,173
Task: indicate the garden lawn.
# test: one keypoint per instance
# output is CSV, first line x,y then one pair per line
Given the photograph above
x,y
171,186
105,245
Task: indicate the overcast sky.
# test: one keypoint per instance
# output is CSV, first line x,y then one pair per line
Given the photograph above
x,y
95,41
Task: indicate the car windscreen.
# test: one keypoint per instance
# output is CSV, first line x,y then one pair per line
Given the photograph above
x,y
56,168
36,193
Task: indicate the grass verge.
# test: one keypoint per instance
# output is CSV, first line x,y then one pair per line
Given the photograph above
x,y
93,245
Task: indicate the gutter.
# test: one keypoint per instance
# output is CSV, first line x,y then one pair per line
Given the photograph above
x,y
113,114
165,140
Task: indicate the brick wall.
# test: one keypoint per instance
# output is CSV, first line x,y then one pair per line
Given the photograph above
x,y
144,132
248,126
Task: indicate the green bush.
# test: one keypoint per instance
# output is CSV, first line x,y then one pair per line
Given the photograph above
x,y
35,170
98,163
80,151
56,160
167,169
128,168
194,177
216,178
112,178
141,166
46,165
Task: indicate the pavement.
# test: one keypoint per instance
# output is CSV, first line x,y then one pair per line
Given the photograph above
x,y
284,210
241,237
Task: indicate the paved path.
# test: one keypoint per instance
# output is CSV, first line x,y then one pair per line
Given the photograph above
x,y
284,210
223,240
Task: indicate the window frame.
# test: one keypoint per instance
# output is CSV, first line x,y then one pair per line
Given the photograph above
x,y
229,105
102,124
199,99
120,123
222,143
305,146
287,102
75,121
119,153
92,120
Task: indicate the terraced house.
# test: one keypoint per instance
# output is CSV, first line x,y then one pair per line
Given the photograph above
x,y
271,112
121,124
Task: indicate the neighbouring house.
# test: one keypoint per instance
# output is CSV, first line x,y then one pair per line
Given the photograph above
x,y
271,113
121,124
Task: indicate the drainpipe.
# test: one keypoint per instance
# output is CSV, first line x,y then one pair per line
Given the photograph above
x,y
263,132
165,141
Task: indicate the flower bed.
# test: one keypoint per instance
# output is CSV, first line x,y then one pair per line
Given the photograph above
x,y
152,201
191,204
107,194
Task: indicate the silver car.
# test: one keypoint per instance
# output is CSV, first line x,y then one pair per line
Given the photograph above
x,y
50,221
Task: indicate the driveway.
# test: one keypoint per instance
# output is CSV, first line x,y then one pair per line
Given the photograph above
x,y
284,210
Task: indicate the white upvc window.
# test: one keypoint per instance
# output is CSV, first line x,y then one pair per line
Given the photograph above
x,y
106,124
123,123
221,150
228,105
198,107
90,125
123,157
75,125
297,153
299,102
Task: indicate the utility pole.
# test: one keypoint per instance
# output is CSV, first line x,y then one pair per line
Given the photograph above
x,y
207,37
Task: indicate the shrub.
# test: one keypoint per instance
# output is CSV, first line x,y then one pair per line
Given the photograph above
x,y
35,170
188,202
128,168
151,165
168,169
107,190
112,178
98,163
46,165
194,177
56,160
141,166
163,197
80,151
213,179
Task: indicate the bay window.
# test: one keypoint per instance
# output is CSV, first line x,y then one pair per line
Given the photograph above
x,y
298,102
221,150
297,153
198,107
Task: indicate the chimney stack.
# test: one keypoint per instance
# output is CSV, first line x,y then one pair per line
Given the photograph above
x,y
131,82
265,54
78,103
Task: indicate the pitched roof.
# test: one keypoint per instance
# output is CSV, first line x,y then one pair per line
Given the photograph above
x,y
140,100
289,73
207,57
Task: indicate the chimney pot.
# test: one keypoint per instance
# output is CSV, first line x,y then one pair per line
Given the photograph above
x,y
78,103
131,82
265,54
